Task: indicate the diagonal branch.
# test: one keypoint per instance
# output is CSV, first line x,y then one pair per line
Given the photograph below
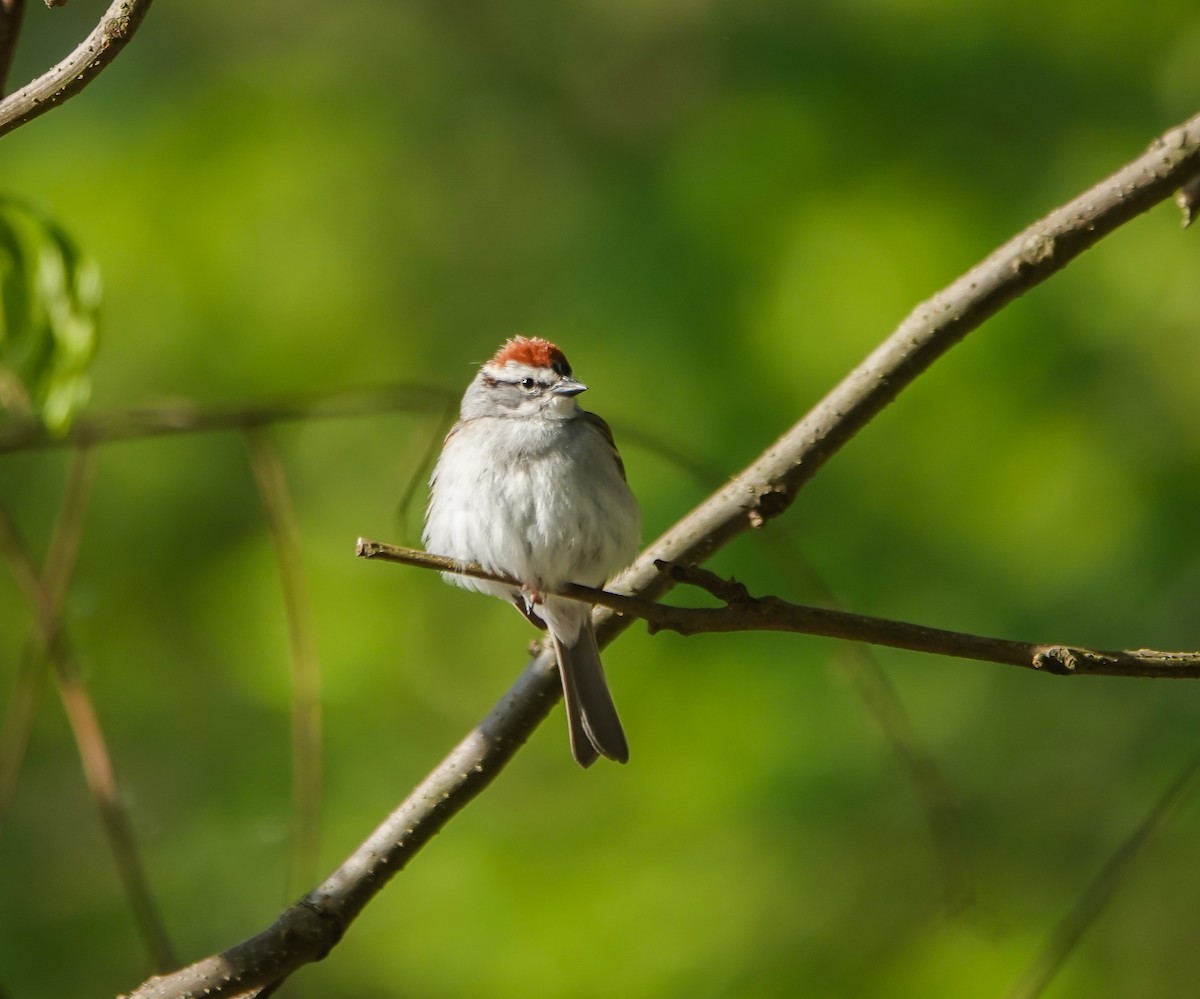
x,y
77,70
769,485
307,931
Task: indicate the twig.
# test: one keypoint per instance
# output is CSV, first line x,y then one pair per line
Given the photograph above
x,y
56,574
870,681
189,418
91,744
938,802
306,670
762,491
743,612
425,454
1067,934
78,69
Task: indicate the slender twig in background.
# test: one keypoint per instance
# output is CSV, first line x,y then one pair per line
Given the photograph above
x,y
870,683
19,717
11,13
742,612
306,671
68,77
190,418
938,803
89,738
867,677
56,574
427,448
700,467
1062,940
306,931
118,826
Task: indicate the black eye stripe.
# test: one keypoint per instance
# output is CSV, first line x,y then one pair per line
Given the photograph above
x,y
526,384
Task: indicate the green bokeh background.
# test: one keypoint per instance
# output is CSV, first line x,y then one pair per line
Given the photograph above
x,y
717,208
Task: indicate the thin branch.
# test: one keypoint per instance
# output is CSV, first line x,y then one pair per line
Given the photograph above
x,y
306,670
78,69
56,574
936,798
426,452
189,418
1096,897
90,742
858,664
862,670
743,612
764,490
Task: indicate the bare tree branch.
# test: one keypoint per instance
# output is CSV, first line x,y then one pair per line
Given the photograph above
x,y
78,69
765,489
742,612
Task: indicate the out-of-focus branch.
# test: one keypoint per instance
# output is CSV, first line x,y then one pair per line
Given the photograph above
x,y
1062,940
77,70
764,490
190,418
306,671
89,739
743,612
56,574
858,664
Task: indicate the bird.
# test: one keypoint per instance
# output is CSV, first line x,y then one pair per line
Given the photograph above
x,y
530,485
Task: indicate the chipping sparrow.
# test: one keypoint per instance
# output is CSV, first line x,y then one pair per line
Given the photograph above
x,y
530,485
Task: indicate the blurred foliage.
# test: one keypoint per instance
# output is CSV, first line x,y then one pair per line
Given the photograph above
x,y
717,208
50,293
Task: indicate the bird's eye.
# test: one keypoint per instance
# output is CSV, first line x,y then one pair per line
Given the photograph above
x,y
528,384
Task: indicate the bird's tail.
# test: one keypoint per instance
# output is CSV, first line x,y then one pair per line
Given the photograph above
x,y
591,715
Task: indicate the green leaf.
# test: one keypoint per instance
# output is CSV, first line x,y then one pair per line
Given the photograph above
x,y
49,318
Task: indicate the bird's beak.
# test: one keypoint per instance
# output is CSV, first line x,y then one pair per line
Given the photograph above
x,y
568,387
